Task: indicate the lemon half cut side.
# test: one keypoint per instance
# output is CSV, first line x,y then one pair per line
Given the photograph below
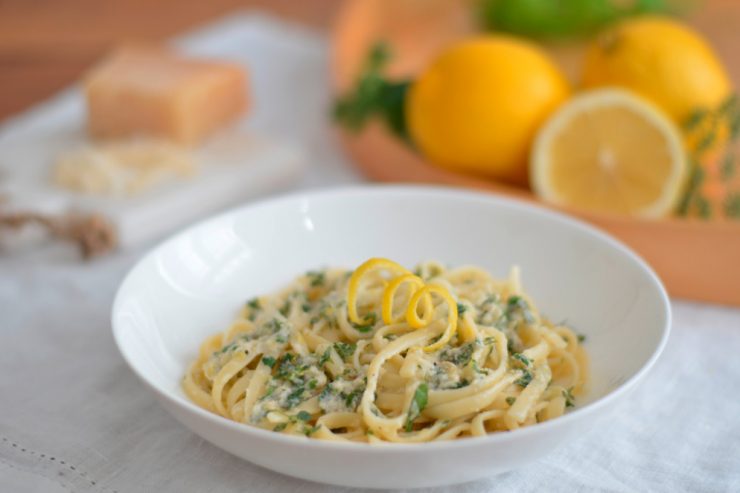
x,y
611,151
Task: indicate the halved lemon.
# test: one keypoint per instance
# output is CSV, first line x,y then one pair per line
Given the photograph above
x,y
610,151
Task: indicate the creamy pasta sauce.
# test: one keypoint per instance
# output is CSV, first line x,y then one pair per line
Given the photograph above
x,y
382,353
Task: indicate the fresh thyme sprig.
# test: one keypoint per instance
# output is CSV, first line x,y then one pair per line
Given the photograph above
x,y
704,129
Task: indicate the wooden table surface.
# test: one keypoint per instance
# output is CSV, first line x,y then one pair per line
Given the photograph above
x,y
46,44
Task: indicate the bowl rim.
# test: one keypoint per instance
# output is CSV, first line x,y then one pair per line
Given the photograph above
x,y
454,193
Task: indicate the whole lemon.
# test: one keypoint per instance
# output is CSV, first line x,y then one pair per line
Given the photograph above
x,y
661,59
477,107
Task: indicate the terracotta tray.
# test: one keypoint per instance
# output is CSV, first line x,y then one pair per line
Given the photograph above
x,y
697,260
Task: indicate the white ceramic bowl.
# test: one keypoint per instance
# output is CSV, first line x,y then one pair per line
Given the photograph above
x,y
193,284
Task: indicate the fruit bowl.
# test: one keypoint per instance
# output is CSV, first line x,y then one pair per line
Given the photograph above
x,y
696,259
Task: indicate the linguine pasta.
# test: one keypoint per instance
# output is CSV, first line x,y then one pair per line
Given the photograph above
x,y
384,354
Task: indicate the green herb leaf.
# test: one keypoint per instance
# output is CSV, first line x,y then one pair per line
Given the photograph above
x,y
526,362
581,338
516,305
268,392
295,397
310,431
460,356
525,379
280,427
228,347
569,399
510,400
373,95
303,416
418,403
368,323
285,309
325,357
352,399
316,278
269,361
462,383
344,349
461,309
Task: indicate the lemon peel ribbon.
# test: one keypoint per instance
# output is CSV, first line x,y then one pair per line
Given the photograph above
x,y
421,294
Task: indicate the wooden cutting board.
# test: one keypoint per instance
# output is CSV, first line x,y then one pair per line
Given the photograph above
x,y
696,260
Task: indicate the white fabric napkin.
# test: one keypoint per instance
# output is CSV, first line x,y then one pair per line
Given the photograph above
x,y
74,418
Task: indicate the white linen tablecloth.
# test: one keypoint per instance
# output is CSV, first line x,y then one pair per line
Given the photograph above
x,y
74,418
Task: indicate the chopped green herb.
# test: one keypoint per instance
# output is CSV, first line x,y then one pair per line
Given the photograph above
x,y
517,304
525,379
510,345
312,384
291,369
344,349
368,323
295,397
306,307
310,431
228,347
274,325
254,307
462,383
521,359
461,308
581,338
418,403
460,356
269,361
510,400
268,392
303,415
489,340
316,278
326,393
478,369
434,339
353,398
325,357
280,427
285,309
569,399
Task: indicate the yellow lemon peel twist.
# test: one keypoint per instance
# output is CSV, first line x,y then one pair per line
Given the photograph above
x,y
420,293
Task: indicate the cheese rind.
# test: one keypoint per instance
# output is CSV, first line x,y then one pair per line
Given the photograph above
x,y
152,92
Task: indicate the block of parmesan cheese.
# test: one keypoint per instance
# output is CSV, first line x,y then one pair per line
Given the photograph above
x,y
153,92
